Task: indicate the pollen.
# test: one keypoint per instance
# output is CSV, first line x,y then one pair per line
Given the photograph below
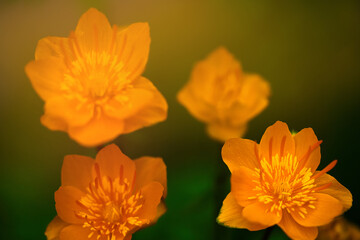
x,y
92,76
110,208
282,185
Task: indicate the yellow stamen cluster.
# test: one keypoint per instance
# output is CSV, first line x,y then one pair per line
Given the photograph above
x,y
94,76
281,184
110,208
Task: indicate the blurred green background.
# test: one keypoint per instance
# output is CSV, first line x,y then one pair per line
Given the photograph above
x,y
309,51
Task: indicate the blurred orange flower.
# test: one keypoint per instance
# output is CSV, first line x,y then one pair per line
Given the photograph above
x,y
109,198
339,229
222,96
91,81
276,182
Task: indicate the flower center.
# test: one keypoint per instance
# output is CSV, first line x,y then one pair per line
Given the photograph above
x,y
94,76
282,185
110,208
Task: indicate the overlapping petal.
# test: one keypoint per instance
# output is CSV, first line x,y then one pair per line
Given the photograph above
x,y
258,212
238,152
39,73
76,232
305,140
102,197
152,193
154,111
231,215
132,47
222,96
326,208
76,171
53,229
93,31
243,184
277,139
149,169
296,231
336,190
91,81
275,182
111,160
66,204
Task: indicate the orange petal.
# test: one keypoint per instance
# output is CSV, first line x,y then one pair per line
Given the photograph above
x,y
253,99
243,183
98,131
71,111
53,123
195,105
150,169
207,73
111,160
128,236
277,139
65,204
54,47
231,215
93,31
326,208
53,229
221,60
76,232
152,193
295,230
128,103
46,76
132,47
223,132
239,152
76,171
259,213
304,140
335,190
161,210
153,112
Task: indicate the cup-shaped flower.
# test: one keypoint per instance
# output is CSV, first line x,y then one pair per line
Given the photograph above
x,y
91,81
222,96
276,182
108,198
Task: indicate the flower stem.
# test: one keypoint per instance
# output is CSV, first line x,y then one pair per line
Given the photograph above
x,y
267,233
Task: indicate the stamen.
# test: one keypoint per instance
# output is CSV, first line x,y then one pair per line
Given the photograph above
x,y
325,170
110,206
322,187
283,185
270,148
111,48
96,37
121,179
257,153
306,156
282,146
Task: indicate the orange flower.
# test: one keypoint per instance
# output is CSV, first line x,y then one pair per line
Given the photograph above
x,y
339,229
276,182
109,198
91,81
222,96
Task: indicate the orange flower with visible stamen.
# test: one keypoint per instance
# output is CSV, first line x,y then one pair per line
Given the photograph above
x,y
276,182
222,96
108,198
91,81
